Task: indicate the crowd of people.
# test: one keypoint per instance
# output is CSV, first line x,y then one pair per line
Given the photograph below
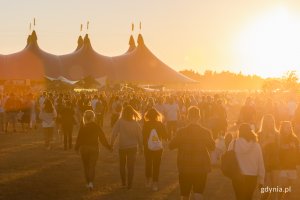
x,y
263,132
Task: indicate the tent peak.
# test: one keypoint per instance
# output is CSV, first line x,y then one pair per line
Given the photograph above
x,y
86,40
33,36
28,40
131,41
140,40
79,43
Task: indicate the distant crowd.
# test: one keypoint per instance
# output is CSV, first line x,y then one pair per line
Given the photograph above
x,y
260,132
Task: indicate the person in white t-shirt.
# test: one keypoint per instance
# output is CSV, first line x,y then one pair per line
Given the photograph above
x,y
250,159
172,115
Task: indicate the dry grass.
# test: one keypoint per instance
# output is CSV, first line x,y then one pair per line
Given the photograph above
x,y
28,171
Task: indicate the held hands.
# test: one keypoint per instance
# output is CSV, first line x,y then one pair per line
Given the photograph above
x,y
141,151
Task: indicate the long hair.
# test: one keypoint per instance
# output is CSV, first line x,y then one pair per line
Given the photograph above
x,y
88,117
153,115
48,106
286,130
130,114
246,132
267,126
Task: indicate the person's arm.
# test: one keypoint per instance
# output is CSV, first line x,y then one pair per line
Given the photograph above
x,y
54,113
174,144
261,166
115,132
103,139
144,133
140,136
78,140
210,143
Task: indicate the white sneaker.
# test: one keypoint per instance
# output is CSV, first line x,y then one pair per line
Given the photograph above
x,y
91,186
155,187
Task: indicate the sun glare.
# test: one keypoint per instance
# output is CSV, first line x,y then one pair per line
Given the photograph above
x,y
270,45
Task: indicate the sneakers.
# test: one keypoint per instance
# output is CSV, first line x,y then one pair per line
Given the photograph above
x,y
154,187
90,186
148,183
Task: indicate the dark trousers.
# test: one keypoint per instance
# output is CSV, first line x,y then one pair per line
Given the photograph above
x,y
67,130
152,164
48,135
127,161
192,182
114,119
244,186
89,157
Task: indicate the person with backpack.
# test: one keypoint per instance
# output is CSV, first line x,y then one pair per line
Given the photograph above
x,y
194,143
129,134
153,134
12,107
250,161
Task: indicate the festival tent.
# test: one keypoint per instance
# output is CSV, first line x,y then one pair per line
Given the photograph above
x,y
30,63
79,43
142,66
85,62
131,44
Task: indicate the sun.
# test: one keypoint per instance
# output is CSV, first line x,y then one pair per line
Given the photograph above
x,y
270,45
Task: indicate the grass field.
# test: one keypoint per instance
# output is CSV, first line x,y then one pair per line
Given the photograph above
x,y
28,171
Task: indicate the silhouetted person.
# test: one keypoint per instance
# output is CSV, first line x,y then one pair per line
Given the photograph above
x,y
194,144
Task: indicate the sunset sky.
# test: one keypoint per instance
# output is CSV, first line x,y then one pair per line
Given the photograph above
x,y
257,36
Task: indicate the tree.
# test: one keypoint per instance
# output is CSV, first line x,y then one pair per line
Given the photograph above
x,y
290,81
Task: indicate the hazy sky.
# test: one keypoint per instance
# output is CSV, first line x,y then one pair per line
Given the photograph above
x,y
196,34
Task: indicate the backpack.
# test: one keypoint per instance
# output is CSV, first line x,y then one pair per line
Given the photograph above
x,y
229,164
154,143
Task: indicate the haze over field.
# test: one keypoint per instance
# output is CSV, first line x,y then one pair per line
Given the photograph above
x,y
248,36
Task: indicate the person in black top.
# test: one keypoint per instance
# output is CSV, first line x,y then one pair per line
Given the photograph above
x,y
153,134
194,144
67,122
88,144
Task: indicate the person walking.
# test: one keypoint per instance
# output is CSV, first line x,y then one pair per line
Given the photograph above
x,y
48,115
129,134
153,134
87,144
268,138
194,143
288,156
250,160
67,123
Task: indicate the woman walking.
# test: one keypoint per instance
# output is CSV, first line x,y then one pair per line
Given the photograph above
x,y
153,134
250,160
128,131
88,145
48,115
268,138
288,156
